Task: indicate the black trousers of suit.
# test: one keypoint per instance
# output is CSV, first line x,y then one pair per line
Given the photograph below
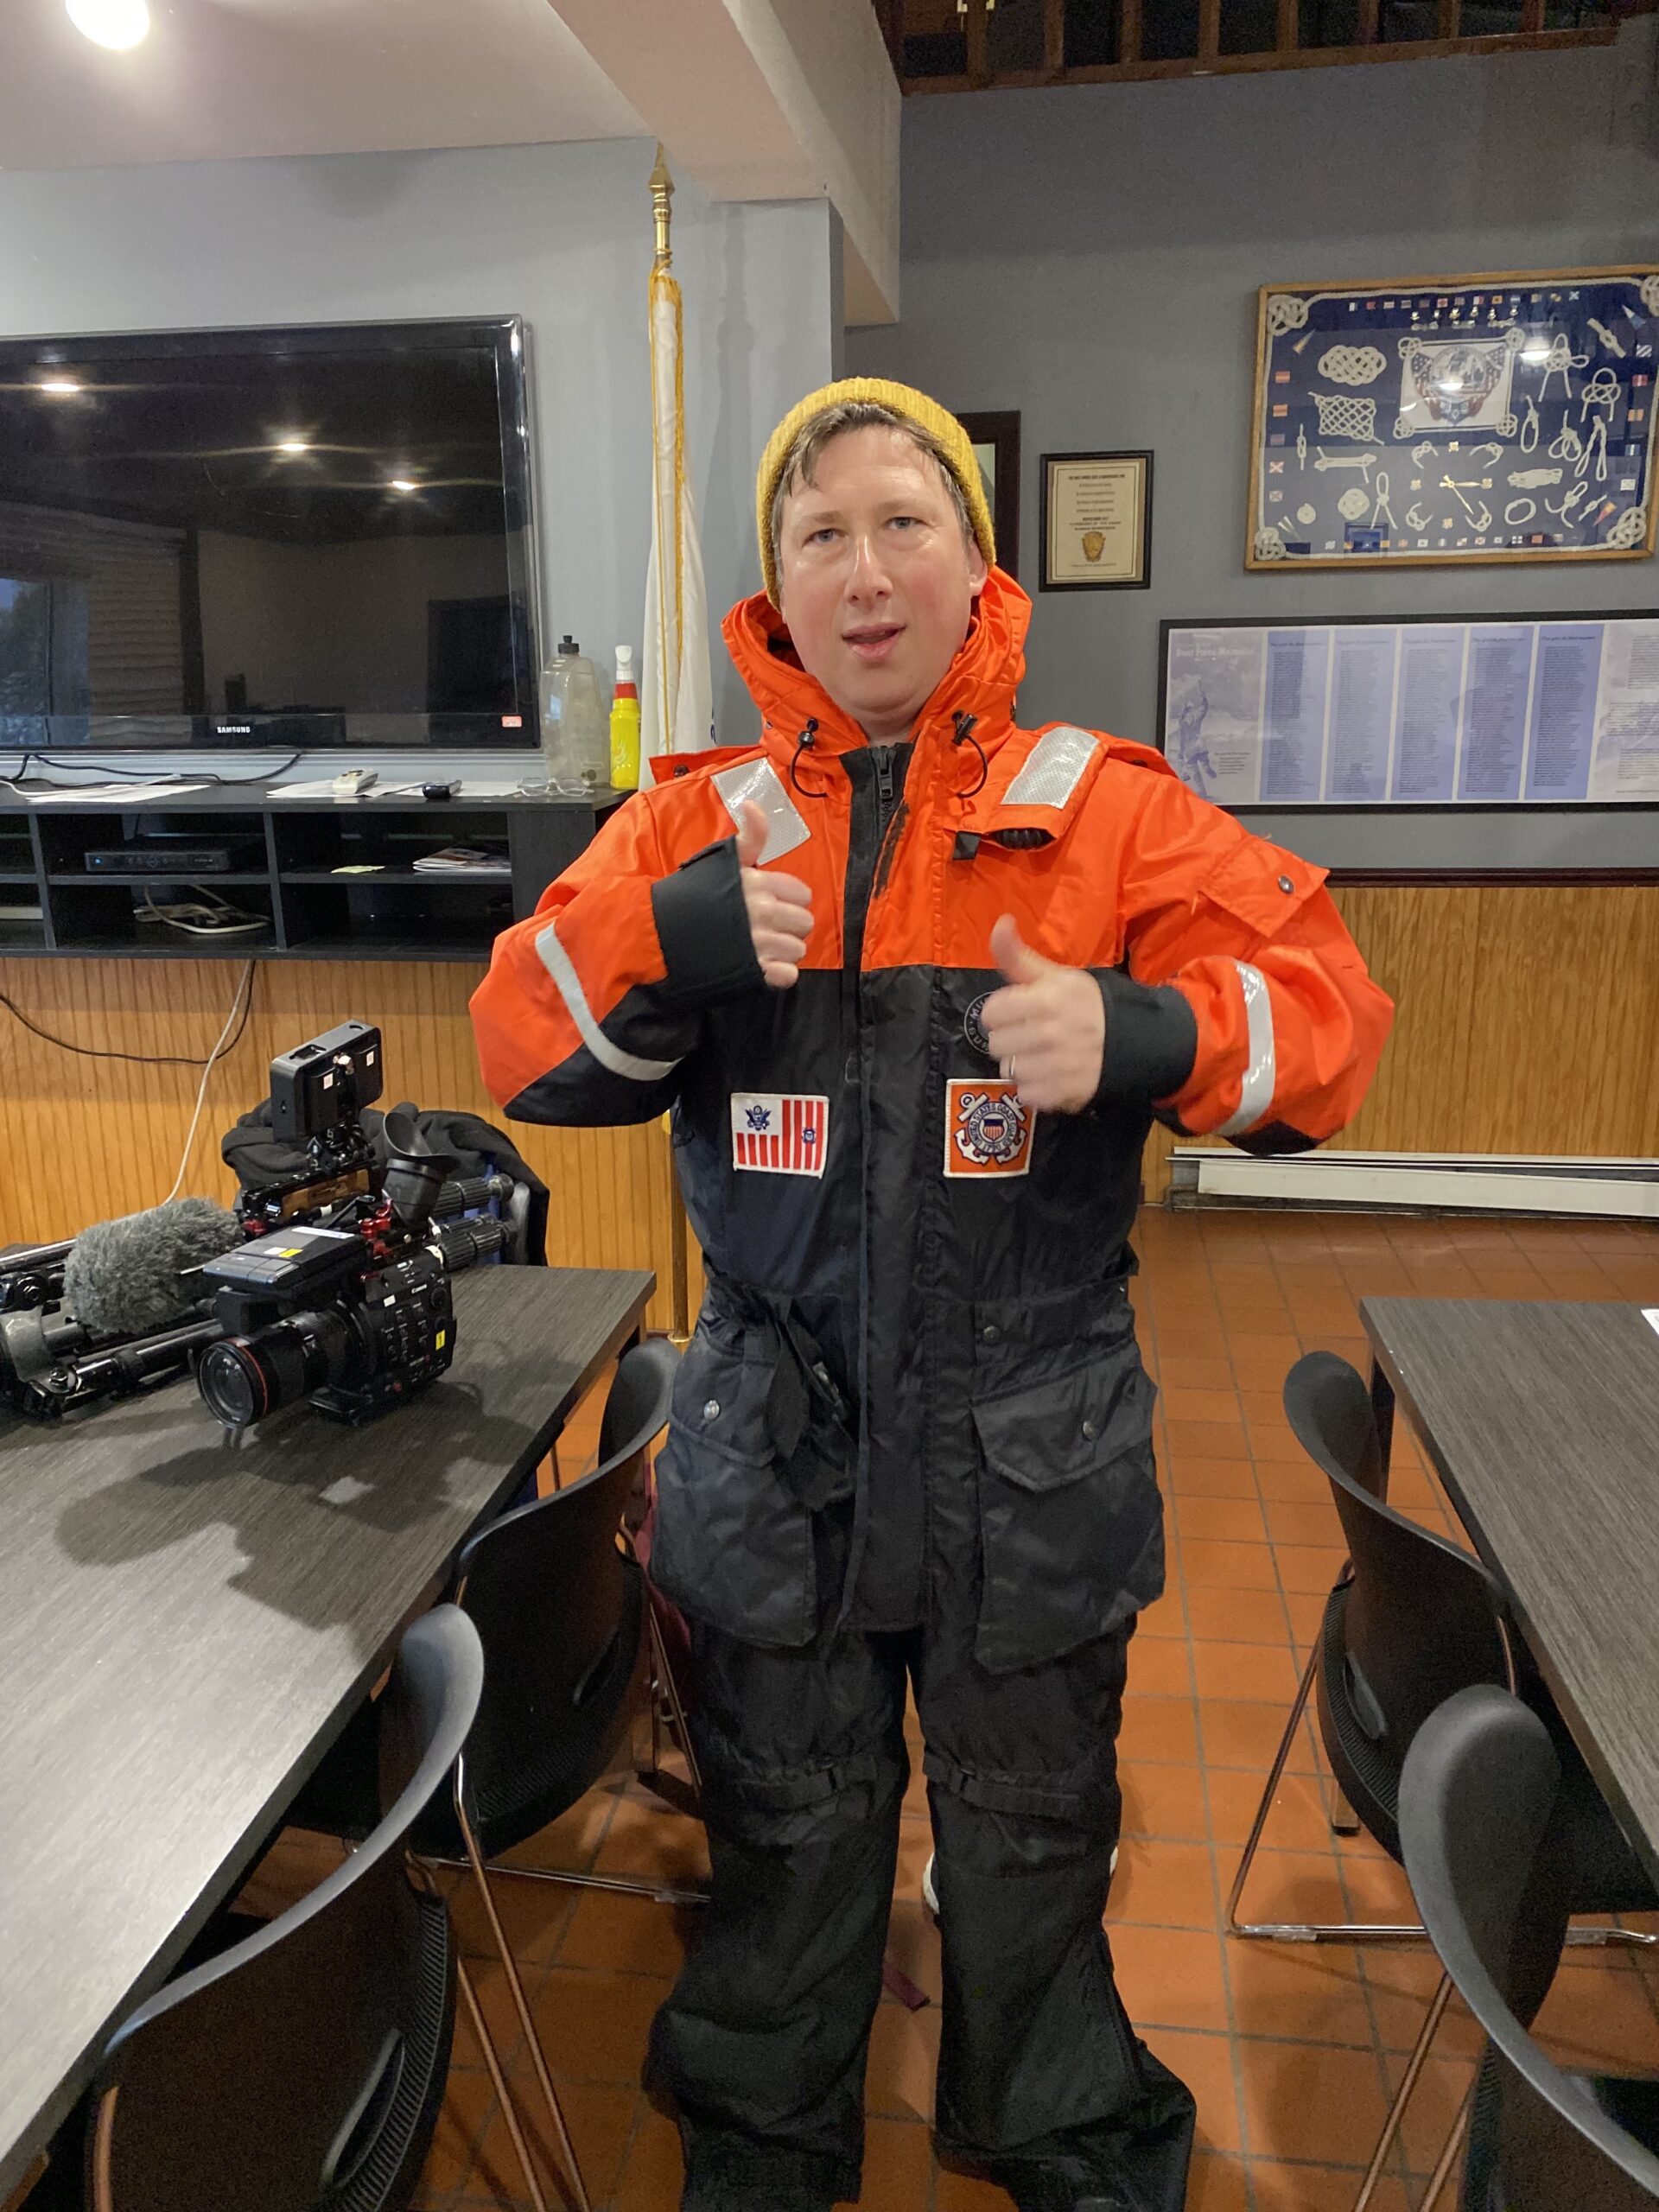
x,y
1043,2085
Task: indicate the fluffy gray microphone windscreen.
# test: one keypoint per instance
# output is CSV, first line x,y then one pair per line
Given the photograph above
x,y
126,1278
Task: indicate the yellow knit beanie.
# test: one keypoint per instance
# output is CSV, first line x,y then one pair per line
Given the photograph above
x,y
916,407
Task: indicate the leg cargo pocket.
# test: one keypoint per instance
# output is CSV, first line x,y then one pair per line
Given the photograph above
x,y
732,1545
1071,1521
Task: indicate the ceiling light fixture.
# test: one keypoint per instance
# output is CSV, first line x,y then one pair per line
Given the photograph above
x,y
293,445
118,23
58,387
404,484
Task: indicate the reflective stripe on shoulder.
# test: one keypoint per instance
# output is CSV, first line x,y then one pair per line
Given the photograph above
x,y
760,781
560,966
1053,768
1260,1074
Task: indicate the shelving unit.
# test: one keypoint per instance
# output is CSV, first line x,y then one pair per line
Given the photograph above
x,y
330,881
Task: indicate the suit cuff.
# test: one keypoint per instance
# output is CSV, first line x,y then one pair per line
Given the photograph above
x,y
702,926
1151,1039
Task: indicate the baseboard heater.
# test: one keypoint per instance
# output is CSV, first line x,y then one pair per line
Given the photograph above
x,y
1417,1182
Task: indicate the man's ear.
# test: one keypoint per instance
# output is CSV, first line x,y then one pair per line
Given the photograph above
x,y
977,570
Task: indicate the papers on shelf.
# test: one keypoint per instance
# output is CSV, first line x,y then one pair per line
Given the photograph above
x,y
108,794
462,860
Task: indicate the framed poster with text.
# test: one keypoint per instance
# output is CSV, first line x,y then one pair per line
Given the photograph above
x,y
1452,711
1096,522
1455,419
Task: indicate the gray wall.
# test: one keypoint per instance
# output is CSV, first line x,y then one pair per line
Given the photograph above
x,y
559,234
1091,255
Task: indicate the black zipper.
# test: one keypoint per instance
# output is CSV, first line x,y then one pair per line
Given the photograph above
x,y
891,761
882,755
877,775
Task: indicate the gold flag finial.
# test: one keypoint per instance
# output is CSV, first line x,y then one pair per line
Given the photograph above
x,y
662,194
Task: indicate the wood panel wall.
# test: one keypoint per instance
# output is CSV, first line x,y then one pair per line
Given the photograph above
x,y
82,1140
1528,1021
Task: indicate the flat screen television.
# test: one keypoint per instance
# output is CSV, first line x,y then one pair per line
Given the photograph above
x,y
289,538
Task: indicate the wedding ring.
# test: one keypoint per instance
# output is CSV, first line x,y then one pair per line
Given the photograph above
x,y
1011,1075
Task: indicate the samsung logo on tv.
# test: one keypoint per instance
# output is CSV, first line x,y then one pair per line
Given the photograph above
x,y
232,729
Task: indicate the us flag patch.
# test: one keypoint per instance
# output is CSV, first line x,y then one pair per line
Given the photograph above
x,y
779,1135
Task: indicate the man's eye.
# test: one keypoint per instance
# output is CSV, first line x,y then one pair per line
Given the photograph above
x,y
822,537
906,522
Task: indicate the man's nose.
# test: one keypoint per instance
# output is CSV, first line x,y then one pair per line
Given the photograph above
x,y
867,578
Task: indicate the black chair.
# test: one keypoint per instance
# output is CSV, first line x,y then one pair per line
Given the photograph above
x,y
304,2066
1489,1858
570,1644
1412,1620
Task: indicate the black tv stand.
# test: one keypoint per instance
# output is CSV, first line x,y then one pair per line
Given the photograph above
x,y
332,880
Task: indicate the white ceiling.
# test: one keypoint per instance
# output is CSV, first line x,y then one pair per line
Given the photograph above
x,y
218,79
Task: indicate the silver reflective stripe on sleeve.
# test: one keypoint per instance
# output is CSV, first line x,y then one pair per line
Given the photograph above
x,y
1052,768
557,962
1260,1074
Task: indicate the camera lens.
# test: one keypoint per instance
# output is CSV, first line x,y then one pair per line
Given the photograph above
x,y
231,1383
242,1379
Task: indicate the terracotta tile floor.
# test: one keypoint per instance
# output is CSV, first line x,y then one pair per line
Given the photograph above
x,y
1290,2053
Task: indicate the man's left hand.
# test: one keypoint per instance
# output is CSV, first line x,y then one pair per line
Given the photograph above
x,y
1047,1028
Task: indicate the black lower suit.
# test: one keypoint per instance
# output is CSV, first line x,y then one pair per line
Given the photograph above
x,y
1042,2082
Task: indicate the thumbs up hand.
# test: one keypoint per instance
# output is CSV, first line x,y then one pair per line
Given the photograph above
x,y
779,906
1047,1027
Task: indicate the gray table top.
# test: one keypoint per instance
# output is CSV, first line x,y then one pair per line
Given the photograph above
x,y
187,1622
1543,1422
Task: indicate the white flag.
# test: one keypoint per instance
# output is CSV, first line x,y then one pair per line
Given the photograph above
x,y
676,688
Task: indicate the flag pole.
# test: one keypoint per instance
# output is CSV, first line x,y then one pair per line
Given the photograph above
x,y
664,293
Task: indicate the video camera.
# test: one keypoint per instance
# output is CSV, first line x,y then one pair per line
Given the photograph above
x,y
330,1279
352,1307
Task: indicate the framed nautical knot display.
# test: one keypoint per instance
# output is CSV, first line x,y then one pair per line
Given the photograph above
x,y
1453,419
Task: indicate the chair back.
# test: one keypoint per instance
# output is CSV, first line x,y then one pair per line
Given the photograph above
x,y
1485,1848
304,2066
558,1600
1420,1618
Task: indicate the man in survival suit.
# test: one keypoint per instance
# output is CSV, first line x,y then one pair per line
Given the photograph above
x,y
913,982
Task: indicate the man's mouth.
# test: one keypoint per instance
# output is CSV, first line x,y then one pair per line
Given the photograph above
x,y
873,641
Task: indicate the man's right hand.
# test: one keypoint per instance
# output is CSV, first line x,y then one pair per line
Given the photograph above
x,y
779,906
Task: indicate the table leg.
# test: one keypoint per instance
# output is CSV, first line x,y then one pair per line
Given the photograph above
x,y
1382,1414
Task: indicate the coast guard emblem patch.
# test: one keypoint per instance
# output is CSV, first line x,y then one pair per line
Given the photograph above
x,y
986,1130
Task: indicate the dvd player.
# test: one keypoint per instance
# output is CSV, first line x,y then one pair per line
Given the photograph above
x,y
174,857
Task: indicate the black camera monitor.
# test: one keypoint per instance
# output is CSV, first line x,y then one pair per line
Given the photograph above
x,y
325,1085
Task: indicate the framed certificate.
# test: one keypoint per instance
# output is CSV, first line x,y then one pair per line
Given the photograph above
x,y
1096,522
1455,419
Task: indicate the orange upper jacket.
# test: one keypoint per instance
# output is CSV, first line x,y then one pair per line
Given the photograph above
x,y
876,1207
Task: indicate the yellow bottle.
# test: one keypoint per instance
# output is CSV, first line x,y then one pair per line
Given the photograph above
x,y
625,725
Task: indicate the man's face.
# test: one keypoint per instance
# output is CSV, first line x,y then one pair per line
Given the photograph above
x,y
877,577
